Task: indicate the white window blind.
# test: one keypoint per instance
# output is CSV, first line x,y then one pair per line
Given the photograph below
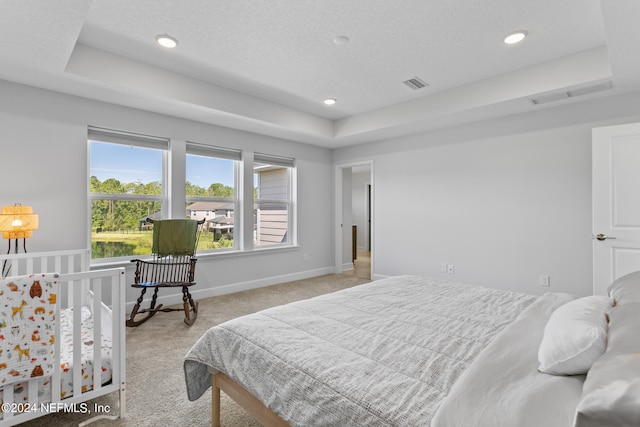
x,y
127,138
273,160
213,151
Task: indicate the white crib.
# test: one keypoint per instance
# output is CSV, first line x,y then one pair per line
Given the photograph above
x,y
99,294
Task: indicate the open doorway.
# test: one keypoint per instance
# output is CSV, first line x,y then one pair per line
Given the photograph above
x,y
354,219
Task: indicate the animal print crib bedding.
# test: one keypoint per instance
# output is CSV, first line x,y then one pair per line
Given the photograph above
x,y
20,389
27,326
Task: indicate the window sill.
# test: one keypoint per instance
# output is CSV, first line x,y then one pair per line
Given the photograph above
x,y
205,255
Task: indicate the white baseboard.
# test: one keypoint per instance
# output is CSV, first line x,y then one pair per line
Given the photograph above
x,y
199,292
347,266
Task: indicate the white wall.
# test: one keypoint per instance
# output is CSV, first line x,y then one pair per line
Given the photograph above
x,y
347,219
43,136
360,181
504,201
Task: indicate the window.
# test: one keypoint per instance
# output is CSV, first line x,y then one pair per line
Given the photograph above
x,y
130,180
273,178
210,187
126,186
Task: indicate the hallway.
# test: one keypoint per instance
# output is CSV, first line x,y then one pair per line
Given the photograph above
x,y
361,266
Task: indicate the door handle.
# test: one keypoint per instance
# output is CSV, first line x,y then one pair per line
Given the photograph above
x,y
603,237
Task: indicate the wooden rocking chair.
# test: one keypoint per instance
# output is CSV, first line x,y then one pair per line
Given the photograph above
x,y
172,265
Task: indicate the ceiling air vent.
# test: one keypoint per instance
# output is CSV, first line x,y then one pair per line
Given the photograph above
x,y
557,96
415,83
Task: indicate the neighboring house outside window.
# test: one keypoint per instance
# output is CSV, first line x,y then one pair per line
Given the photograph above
x,y
273,177
218,217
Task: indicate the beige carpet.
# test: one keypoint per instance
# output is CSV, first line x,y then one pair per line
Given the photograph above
x,y
156,393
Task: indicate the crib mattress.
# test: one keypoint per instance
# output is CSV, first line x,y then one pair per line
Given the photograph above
x,y
66,360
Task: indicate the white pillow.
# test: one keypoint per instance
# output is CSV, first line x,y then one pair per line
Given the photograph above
x,y
611,392
626,289
575,336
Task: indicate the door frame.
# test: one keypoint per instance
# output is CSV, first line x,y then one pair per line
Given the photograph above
x,y
338,218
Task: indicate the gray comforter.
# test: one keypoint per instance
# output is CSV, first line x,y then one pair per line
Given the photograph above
x,y
383,353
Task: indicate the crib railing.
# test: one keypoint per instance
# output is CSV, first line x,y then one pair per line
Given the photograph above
x,y
71,261
103,291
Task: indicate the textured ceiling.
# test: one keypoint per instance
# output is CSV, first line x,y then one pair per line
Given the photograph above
x,y
266,66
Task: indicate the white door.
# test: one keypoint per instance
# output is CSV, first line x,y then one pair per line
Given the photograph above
x,y
616,203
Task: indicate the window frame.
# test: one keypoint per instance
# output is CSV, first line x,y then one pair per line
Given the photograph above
x,y
197,149
174,158
108,136
291,178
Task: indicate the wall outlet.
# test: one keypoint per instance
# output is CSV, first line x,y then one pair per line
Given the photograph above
x,y
545,280
451,269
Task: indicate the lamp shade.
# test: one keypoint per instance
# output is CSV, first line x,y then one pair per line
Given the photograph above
x,y
18,222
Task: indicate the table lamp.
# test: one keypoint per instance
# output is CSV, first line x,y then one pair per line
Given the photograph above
x,y
17,222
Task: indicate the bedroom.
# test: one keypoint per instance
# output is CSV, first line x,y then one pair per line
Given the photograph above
x,y
511,195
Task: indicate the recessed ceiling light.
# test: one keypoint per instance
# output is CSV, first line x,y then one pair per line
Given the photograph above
x,y
341,40
167,41
515,37
329,101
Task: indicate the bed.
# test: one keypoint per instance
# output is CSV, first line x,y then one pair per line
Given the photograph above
x,y
73,349
414,351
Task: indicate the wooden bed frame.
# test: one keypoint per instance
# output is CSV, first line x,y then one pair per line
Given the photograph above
x,y
242,397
